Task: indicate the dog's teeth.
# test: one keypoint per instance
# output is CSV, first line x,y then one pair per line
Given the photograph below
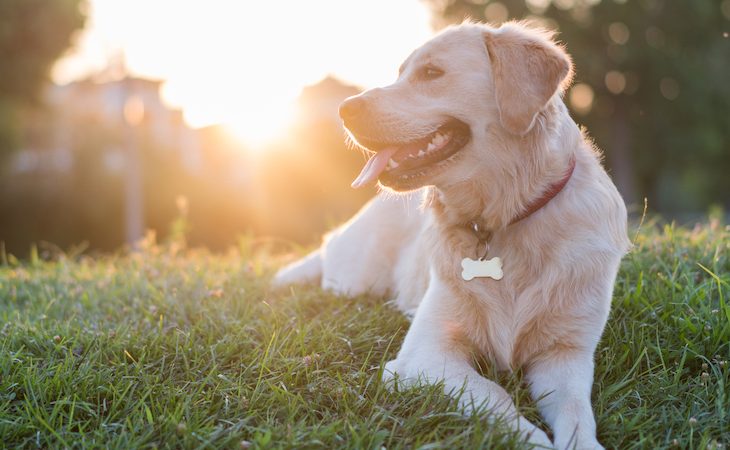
x,y
421,153
431,147
392,164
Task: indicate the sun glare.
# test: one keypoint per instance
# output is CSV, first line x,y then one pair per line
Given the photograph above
x,y
255,118
243,64
258,128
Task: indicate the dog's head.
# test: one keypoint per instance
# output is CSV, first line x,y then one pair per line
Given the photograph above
x,y
431,126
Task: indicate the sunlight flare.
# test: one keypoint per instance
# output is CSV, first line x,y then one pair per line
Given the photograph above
x,y
243,64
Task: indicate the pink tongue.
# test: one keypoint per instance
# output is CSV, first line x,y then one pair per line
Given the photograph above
x,y
374,167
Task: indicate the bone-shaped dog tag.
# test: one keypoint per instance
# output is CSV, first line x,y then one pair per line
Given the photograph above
x,y
481,268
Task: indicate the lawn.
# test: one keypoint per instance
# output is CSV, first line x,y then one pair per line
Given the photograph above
x,y
180,348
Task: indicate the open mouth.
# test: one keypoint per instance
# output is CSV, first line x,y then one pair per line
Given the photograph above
x,y
407,165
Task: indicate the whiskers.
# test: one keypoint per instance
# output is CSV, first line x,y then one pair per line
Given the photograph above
x,y
352,144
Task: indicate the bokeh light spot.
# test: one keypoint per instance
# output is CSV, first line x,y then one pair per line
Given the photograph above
x,y
564,4
619,33
669,88
539,6
615,82
581,98
496,12
725,8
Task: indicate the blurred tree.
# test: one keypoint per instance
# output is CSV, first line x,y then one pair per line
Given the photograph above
x,y
651,86
33,34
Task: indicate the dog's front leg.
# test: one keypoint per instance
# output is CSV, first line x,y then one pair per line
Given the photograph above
x,y
561,383
429,354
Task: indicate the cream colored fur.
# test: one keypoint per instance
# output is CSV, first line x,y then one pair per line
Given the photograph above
x,y
548,312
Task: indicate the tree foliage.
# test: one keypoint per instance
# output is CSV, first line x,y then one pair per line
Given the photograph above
x,y
658,74
33,34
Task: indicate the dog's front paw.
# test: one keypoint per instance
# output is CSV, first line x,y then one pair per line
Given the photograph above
x,y
390,371
396,375
582,444
595,445
539,440
533,435
576,441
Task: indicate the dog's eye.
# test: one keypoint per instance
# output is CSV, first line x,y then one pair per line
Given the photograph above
x,y
431,72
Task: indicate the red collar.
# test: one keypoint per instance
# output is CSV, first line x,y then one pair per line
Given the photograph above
x,y
552,190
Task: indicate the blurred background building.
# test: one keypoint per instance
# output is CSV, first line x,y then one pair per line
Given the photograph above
x,y
97,161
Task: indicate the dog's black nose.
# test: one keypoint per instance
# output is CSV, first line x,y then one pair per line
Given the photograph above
x,y
351,108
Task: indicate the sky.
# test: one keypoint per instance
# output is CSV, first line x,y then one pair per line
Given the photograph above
x,y
243,63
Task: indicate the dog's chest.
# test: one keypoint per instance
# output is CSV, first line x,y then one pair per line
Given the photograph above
x,y
501,318
501,322
512,319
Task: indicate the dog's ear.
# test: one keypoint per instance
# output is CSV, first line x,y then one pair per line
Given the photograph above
x,y
527,67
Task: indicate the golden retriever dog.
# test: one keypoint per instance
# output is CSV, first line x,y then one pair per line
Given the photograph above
x,y
507,236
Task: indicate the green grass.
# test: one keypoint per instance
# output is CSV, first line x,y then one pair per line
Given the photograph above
x,y
176,348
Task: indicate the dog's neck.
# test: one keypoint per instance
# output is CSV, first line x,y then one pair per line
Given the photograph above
x,y
550,193
513,188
